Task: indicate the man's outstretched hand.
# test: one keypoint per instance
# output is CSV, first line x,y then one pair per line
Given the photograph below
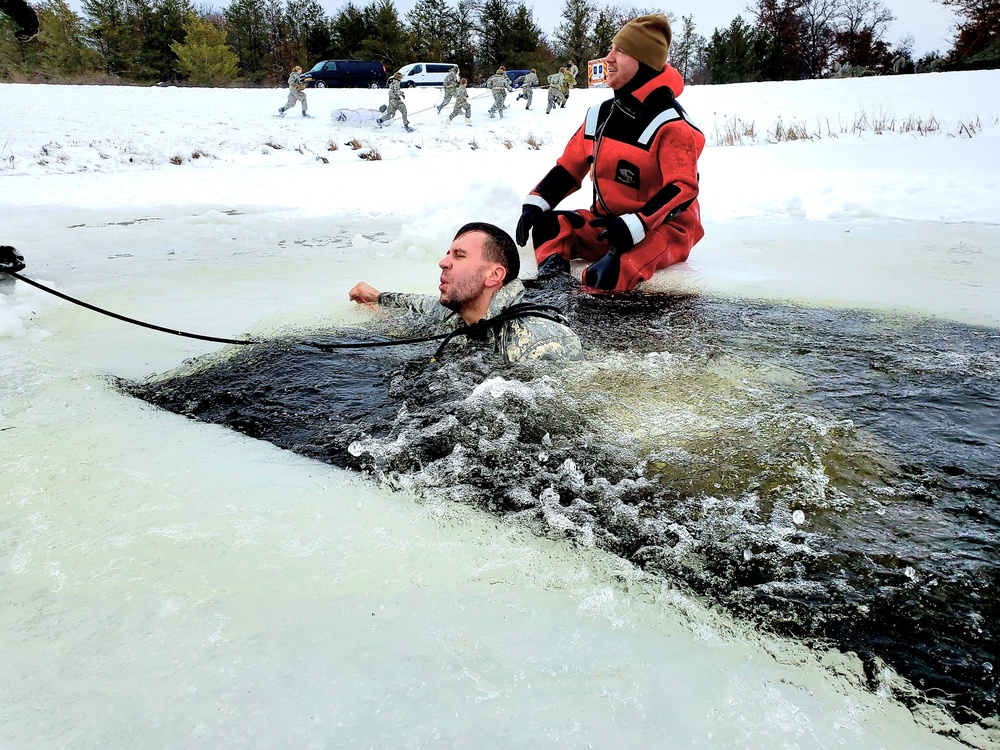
x,y
362,292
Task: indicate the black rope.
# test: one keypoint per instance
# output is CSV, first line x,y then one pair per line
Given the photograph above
x,y
127,319
476,330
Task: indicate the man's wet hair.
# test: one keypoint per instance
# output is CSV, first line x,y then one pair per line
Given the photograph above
x,y
498,247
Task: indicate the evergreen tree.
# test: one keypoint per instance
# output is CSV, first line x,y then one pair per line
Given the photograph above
x,y
687,50
606,25
61,45
495,18
13,54
433,25
389,41
246,27
734,53
574,37
204,56
160,25
309,34
464,54
113,30
349,30
525,40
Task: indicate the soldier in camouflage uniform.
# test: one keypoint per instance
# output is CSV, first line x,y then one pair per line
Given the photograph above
x,y
556,97
462,103
395,102
479,282
450,85
528,82
296,92
499,84
569,81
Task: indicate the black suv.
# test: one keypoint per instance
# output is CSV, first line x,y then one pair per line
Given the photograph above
x,y
345,74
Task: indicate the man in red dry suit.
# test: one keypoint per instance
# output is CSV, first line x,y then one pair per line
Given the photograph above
x,y
642,155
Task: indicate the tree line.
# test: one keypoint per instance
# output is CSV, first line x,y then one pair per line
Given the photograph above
x,y
251,42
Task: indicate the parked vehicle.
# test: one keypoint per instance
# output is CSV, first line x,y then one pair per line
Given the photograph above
x,y
512,75
345,74
424,74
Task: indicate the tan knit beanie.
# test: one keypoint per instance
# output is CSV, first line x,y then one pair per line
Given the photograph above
x,y
646,38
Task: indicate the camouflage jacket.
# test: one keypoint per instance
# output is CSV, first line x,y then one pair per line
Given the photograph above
x,y
518,340
451,80
295,81
461,96
569,82
499,81
528,80
394,93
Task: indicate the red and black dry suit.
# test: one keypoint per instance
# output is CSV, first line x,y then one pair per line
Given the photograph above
x,y
642,156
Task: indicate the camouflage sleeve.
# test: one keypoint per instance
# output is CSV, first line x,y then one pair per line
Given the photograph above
x,y
424,305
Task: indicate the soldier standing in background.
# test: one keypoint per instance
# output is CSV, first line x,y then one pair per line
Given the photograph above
x,y
556,97
499,84
450,83
461,103
296,92
395,103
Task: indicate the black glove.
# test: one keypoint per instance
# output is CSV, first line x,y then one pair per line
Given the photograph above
x,y
554,265
402,95
604,273
11,260
616,232
529,215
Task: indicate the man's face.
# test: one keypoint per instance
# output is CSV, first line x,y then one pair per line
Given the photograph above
x,y
464,271
619,68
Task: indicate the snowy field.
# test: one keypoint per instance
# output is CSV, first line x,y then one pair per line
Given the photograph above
x,y
172,584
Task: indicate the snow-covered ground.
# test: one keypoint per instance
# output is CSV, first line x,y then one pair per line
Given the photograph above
x,y
168,583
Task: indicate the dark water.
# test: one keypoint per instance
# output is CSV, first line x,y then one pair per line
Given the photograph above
x,y
830,475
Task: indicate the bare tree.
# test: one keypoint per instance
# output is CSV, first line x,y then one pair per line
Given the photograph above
x,y
819,19
861,30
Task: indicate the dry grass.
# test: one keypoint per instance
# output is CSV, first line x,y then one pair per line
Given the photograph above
x,y
371,154
533,143
919,126
355,144
322,159
736,132
177,159
969,128
474,145
784,133
275,146
332,146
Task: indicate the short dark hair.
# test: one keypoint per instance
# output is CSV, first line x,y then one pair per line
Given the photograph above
x,y
498,247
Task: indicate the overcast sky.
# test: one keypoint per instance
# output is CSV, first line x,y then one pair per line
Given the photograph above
x,y
929,23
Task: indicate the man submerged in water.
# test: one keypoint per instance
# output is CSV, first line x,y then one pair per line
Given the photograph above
x,y
479,284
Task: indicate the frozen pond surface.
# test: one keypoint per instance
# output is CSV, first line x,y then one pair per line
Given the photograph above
x,y
172,583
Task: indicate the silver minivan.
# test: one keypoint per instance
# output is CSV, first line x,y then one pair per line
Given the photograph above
x,y
424,74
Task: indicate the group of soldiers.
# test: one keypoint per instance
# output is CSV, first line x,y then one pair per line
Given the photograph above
x,y
455,88
500,85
